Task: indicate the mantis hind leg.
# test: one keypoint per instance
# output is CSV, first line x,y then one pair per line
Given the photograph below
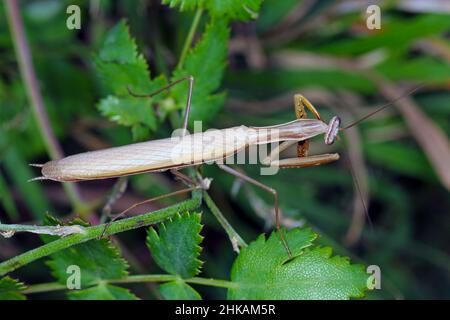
x,y
268,189
124,212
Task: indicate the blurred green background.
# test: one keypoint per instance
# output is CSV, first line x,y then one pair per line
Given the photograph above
x,y
321,49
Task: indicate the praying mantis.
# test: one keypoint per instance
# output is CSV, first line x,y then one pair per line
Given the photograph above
x,y
199,148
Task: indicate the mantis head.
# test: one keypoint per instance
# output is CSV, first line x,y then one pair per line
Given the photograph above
x,y
333,129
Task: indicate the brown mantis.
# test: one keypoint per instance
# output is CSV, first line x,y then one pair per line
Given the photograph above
x,y
198,148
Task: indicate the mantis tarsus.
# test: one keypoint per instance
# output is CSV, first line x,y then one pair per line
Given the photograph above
x,y
154,156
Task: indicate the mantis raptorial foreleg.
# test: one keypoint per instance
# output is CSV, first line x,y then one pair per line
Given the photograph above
x,y
302,160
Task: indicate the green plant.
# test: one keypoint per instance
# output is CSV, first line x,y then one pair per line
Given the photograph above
x,y
248,57
176,243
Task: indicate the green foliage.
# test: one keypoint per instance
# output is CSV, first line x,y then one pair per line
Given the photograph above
x,y
19,172
267,65
419,69
102,292
401,158
184,4
397,35
7,200
263,271
121,68
178,290
231,9
273,11
275,81
97,260
10,289
176,245
129,112
235,9
206,62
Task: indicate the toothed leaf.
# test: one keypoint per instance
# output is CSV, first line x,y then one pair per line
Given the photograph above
x,y
121,68
129,111
176,245
10,289
206,62
262,271
178,291
235,9
96,259
232,9
118,45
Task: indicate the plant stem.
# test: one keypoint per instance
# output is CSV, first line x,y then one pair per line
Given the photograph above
x,y
9,230
55,286
94,232
235,238
168,277
190,37
34,95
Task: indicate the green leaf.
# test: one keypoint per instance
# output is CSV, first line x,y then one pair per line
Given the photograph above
x,y
7,200
265,83
118,77
273,11
397,34
420,69
20,172
97,259
206,62
402,158
10,289
184,4
128,111
235,9
262,271
176,245
119,46
178,290
102,292
232,9
121,68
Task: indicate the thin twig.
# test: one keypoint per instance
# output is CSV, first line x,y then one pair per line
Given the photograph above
x,y
235,238
55,286
34,95
8,230
94,232
190,37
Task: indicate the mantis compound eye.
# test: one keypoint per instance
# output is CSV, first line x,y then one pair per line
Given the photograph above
x,y
333,130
